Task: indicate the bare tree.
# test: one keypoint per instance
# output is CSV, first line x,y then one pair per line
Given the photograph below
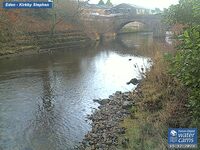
x,y
65,11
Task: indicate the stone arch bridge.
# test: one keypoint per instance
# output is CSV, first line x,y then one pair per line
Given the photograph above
x,y
111,24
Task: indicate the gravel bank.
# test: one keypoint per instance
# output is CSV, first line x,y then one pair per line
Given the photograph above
x,y
105,122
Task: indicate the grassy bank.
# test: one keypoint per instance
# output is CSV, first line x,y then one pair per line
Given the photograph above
x,y
161,102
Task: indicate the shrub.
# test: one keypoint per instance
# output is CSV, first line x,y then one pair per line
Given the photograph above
x,y
186,66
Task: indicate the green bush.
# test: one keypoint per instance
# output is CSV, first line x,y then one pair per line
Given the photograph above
x,y
186,66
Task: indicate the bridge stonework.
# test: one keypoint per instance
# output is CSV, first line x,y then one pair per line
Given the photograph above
x,y
111,24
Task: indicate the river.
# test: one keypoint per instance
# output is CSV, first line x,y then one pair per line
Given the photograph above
x,y
45,98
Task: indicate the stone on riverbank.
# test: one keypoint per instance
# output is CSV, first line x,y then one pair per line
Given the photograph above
x,y
133,81
127,104
102,102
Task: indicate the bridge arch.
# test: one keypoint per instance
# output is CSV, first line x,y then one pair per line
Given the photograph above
x,y
122,25
151,22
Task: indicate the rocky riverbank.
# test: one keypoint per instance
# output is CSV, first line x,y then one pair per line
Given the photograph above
x,y
105,122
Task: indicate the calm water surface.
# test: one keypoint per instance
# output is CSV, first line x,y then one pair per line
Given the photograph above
x,y
45,98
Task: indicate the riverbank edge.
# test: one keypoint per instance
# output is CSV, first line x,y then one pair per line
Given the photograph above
x,y
35,49
106,122
139,119
161,102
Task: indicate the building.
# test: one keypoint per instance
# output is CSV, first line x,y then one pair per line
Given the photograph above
x,y
128,8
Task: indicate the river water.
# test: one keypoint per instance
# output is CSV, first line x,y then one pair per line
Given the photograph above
x,y
45,98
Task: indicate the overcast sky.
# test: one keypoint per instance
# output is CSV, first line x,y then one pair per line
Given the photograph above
x,y
143,3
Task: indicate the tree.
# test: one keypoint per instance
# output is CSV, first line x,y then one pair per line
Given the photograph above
x,y
187,12
8,20
101,2
65,10
108,3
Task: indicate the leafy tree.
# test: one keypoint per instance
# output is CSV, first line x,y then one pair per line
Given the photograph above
x,y
186,12
196,11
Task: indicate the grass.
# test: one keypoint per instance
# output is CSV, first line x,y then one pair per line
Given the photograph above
x,y
160,103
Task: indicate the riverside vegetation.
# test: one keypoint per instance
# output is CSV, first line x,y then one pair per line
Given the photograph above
x,y
169,95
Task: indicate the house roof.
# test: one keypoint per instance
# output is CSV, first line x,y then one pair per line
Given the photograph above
x,y
125,5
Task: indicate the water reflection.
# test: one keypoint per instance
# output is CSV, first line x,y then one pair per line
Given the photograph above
x,y
44,99
131,41
47,96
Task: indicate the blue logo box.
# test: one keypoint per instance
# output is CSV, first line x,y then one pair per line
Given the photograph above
x,y
182,137
18,5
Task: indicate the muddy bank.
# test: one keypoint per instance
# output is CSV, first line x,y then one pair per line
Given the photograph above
x,y
105,122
